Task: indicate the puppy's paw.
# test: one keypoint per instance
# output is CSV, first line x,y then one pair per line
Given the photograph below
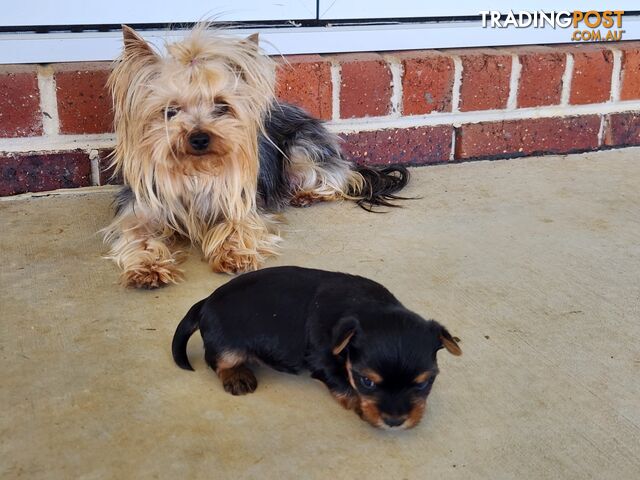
x,y
151,275
238,380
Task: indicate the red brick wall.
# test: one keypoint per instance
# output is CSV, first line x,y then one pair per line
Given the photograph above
x,y
413,107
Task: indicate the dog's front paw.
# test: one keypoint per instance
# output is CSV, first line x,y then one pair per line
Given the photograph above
x,y
238,380
232,262
151,275
240,246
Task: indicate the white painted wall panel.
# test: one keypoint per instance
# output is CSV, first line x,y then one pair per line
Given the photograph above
x,y
95,12
362,9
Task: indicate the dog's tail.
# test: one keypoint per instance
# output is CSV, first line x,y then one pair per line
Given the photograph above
x,y
189,324
378,187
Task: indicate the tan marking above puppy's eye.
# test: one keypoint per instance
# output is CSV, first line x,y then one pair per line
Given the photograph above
x,y
423,377
374,376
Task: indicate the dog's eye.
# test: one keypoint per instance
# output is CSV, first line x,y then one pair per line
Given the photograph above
x,y
367,383
171,112
220,109
422,386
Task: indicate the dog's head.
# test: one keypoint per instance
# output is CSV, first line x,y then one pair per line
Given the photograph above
x,y
195,109
391,364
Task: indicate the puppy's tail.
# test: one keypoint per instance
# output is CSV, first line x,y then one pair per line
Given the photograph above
x,y
189,324
378,187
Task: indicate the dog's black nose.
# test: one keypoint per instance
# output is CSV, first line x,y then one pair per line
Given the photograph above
x,y
199,140
394,421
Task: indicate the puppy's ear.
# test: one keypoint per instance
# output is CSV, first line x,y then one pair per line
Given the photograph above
x,y
135,45
343,333
449,342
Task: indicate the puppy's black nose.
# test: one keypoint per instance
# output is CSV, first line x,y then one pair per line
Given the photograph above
x,y
199,140
394,421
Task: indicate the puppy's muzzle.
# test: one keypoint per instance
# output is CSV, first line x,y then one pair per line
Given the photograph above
x,y
199,141
394,421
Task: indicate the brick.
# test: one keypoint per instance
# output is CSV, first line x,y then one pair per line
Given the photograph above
x,y
540,77
413,146
84,104
630,81
36,172
591,79
485,80
20,114
106,173
365,87
305,80
516,138
427,82
622,129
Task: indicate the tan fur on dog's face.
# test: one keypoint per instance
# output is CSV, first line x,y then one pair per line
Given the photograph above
x,y
207,84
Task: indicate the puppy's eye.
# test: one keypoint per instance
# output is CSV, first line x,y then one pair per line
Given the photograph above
x,y
367,383
422,386
171,112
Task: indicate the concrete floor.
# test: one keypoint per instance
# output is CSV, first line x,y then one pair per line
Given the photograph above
x,y
533,263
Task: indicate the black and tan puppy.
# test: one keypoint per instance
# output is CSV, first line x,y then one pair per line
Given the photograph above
x,y
375,356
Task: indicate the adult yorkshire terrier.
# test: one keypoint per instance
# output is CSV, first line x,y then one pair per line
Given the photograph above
x,y
207,154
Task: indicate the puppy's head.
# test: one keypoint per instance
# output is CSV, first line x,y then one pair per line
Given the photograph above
x,y
195,109
392,364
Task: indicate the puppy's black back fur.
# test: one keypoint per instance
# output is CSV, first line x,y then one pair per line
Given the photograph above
x,y
284,316
266,312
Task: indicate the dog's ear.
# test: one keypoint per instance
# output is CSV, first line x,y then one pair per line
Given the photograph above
x,y
253,43
343,333
253,38
134,44
448,342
